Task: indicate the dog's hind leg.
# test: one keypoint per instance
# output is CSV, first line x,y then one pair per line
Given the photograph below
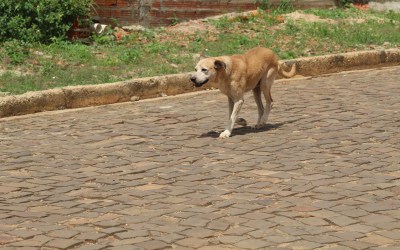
x,y
257,98
265,86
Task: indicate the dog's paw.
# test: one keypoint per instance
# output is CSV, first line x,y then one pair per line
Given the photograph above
x,y
241,122
259,126
225,134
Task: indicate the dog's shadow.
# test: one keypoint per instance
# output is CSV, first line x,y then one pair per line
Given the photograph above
x,y
244,130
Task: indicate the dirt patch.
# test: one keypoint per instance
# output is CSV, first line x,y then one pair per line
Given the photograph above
x,y
192,27
204,25
297,15
394,6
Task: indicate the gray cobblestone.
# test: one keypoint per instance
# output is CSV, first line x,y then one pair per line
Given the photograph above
x,y
153,175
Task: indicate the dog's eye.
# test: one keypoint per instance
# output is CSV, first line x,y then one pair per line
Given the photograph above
x,y
204,70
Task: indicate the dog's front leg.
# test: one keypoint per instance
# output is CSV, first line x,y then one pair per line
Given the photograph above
x,y
233,114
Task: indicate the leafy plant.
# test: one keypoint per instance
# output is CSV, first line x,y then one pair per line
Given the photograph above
x,y
346,3
285,6
222,23
175,20
15,51
39,20
131,55
264,4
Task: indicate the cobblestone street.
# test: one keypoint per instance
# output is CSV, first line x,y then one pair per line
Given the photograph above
x,y
323,174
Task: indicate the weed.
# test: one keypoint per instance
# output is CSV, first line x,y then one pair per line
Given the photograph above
x,y
130,55
264,4
222,23
292,27
106,38
175,20
47,68
334,14
285,6
16,52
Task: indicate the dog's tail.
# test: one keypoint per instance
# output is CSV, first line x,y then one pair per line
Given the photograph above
x,y
285,74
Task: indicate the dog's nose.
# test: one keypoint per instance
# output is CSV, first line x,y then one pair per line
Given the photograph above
x,y
193,78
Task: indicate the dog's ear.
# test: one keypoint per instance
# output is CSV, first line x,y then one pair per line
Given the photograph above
x,y
218,64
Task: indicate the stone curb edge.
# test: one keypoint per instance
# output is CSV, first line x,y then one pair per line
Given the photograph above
x,y
150,87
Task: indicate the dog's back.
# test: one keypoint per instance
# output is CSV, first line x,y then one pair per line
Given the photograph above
x,y
259,61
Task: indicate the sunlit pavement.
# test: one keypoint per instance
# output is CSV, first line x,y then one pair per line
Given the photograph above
x,y
323,173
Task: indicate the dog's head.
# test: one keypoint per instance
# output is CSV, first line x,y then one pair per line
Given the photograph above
x,y
206,70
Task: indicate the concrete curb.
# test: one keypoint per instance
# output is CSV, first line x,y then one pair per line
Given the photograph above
x,y
92,95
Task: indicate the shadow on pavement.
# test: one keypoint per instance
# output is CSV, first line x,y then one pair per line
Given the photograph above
x,y
244,130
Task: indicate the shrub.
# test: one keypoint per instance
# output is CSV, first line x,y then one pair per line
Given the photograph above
x,y
39,20
344,3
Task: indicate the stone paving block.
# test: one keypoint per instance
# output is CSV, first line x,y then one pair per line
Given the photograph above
x,y
314,221
126,247
63,243
235,211
63,233
108,224
90,236
113,230
348,236
231,239
322,239
129,241
92,246
279,239
154,245
374,219
170,228
171,238
392,234
252,244
354,213
377,240
361,228
26,244
341,220
5,238
376,207
7,189
198,232
192,242
358,244
301,244
259,224
336,247
238,230
219,225
223,247
25,234
293,231
257,215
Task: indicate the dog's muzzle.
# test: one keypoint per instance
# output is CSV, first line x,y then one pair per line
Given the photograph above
x,y
196,83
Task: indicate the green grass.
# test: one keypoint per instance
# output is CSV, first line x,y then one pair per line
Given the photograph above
x,y
158,51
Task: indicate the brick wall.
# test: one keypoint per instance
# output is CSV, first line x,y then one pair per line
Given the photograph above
x,y
164,12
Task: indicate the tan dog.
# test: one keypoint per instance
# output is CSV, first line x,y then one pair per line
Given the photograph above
x,y
237,74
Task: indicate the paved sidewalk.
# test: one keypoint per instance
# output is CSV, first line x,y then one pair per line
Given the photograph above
x,y
323,174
